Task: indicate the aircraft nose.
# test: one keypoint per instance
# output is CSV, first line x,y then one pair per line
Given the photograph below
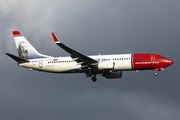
x,y
170,62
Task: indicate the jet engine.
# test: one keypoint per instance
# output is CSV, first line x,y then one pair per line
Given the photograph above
x,y
112,75
106,65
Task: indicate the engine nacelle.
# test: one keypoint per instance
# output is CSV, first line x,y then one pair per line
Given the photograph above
x,y
106,65
112,75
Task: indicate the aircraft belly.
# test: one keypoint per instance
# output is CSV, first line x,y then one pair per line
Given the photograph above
x,y
58,68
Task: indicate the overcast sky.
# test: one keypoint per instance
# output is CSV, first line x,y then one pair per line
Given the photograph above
x,y
90,27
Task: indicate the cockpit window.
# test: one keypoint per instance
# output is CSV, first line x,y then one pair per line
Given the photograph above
x,y
162,57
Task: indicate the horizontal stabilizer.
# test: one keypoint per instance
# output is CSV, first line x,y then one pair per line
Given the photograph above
x,y
17,59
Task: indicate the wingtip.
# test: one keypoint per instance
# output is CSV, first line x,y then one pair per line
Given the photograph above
x,y
56,40
16,33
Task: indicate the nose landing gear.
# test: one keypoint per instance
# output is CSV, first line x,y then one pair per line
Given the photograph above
x,y
158,69
156,73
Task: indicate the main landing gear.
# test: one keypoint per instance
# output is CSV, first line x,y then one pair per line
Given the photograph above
x,y
90,73
94,79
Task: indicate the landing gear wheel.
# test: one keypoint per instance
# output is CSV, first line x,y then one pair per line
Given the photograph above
x,y
94,79
156,73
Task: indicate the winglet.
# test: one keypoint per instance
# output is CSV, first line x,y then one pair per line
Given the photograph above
x,y
56,40
16,33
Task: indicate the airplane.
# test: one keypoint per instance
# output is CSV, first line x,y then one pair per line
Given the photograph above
x,y
109,66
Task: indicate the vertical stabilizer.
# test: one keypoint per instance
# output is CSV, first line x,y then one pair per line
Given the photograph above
x,y
24,48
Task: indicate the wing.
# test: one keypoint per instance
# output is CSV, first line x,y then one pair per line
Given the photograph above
x,y
81,59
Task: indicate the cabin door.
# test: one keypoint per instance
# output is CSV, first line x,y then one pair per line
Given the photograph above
x,y
40,63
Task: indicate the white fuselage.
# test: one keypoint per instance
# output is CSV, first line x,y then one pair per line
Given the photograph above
x,y
68,65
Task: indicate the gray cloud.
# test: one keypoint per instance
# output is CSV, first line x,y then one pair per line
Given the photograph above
x,y
91,27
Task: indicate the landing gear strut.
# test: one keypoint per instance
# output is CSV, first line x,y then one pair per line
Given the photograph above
x,y
94,79
156,73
